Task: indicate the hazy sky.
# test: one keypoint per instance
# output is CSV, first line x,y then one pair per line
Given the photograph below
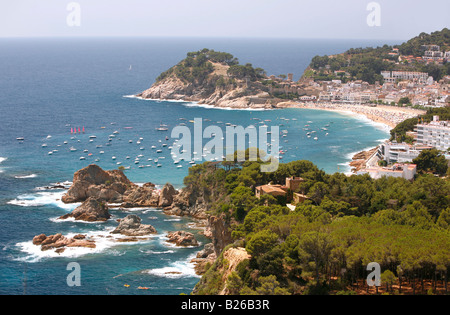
x,y
399,19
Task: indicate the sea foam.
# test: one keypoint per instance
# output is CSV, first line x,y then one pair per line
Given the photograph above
x,y
25,176
44,198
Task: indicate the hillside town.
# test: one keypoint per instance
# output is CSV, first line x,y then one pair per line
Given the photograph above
x,y
400,88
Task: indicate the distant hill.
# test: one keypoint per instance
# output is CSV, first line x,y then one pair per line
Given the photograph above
x,y
367,63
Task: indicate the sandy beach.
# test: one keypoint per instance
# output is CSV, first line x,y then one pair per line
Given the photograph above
x,y
387,115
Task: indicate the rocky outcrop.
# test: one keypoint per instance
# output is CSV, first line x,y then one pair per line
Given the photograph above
x,y
204,257
166,196
131,226
359,160
60,242
215,87
223,267
233,256
92,181
91,210
140,197
187,203
219,230
182,238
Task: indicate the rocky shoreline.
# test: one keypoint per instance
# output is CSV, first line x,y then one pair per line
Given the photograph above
x,y
359,159
96,189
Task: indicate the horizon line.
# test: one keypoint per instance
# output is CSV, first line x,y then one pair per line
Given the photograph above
x,y
189,37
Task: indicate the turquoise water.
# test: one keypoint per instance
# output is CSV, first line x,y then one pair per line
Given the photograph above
x,y
48,87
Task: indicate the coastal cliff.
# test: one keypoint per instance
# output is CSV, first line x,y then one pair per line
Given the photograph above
x,y
213,78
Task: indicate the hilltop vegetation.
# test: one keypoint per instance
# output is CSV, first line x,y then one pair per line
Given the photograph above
x,y
367,63
324,245
196,67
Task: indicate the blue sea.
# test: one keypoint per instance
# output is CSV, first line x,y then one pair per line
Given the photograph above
x,y
48,87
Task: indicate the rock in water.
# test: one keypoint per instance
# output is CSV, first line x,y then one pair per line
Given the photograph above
x,y
60,242
131,226
93,209
140,197
182,238
93,181
167,194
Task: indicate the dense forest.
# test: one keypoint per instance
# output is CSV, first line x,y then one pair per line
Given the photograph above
x,y
325,244
367,63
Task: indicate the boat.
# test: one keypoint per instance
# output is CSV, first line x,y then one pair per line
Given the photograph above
x,y
113,157
44,145
72,149
82,158
20,139
92,137
162,127
158,151
159,165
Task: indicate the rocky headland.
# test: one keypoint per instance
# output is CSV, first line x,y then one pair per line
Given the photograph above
x,y
97,190
213,78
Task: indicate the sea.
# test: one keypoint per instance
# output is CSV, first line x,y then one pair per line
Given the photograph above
x,y
52,87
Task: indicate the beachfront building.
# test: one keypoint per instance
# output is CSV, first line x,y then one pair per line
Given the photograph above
x,y
393,152
435,134
406,171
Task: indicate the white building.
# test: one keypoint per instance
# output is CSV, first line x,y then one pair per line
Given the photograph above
x,y
435,134
393,152
406,171
393,76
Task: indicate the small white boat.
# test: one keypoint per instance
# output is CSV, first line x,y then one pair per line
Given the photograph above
x,y
44,145
82,158
113,157
158,151
159,165
72,149
50,153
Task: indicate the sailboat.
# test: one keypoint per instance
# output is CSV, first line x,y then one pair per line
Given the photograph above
x,y
162,127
